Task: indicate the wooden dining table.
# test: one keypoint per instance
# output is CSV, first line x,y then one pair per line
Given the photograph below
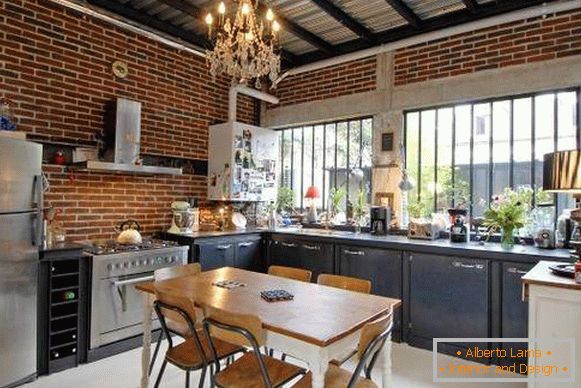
x,y
320,324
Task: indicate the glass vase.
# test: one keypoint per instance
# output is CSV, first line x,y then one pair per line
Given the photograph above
x,y
507,238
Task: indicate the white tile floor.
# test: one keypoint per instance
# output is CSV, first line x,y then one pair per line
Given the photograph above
x,y
412,368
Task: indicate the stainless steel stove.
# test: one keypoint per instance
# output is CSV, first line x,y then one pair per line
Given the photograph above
x,y
116,306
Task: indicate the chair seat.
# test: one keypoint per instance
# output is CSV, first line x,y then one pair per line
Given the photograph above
x,y
245,372
186,355
336,377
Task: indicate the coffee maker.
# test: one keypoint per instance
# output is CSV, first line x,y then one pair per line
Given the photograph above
x,y
380,217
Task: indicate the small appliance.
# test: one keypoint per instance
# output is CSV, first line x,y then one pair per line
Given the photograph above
x,y
380,217
183,219
458,230
545,239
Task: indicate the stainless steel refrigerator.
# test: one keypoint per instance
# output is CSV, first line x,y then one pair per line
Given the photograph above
x,y
20,235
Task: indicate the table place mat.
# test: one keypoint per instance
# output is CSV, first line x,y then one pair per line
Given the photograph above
x,y
229,284
276,295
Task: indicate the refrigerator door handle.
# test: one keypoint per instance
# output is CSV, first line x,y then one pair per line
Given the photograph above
x,y
37,231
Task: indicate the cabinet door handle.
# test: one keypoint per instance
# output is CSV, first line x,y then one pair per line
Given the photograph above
x,y
245,244
288,245
354,253
223,247
312,247
517,271
459,264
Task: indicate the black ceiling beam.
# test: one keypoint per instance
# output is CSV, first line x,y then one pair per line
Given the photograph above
x,y
471,5
151,21
345,19
405,12
300,32
449,20
185,7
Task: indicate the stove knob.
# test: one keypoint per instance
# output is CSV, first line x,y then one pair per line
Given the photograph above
x,y
151,261
144,262
135,263
126,264
110,267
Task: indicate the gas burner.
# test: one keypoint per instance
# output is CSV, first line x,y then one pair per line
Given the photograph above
x,y
110,247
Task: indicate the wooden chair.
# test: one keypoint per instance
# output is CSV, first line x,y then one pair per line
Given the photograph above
x,y
373,337
345,283
253,369
175,324
302,275
194,353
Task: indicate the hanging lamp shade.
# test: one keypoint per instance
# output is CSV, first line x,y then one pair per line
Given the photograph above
x,y
312,192
562,172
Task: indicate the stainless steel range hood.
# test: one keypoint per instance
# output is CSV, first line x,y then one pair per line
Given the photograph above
x,y
123,141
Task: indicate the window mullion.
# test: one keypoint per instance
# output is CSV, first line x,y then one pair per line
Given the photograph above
x,y
533,153
323,201
419,183
471,159
556,144
348,166
511,140
436,116
453,202
490,154
302,166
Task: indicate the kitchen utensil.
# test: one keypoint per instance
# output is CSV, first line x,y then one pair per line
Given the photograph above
x,y
184,218
565,270
239,221
545,239
129,232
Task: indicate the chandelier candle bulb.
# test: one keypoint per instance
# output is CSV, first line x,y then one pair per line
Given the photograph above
x,y
269,15
245,8
275,26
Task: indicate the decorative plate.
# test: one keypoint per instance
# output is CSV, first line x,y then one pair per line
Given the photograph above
x,y
239,221
120,69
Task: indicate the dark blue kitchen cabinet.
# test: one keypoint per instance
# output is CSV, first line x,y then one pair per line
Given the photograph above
x,y
310,254
514,311
448,297
383,267
249,253
213,254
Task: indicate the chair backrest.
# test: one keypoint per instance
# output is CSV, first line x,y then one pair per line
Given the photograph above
x,y
302,275
238,329
345,282
177,271
373,337
249,323
177,308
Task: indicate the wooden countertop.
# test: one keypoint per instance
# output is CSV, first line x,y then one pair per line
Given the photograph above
x,y
318,314
542,275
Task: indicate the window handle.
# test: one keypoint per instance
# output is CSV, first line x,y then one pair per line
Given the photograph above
x,y
517,271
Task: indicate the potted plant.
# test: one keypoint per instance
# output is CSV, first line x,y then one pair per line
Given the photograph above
x,y
507,213
360,209
335,197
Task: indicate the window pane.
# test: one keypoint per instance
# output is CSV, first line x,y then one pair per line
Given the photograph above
x,y
462,154
367,142
444,162
427,156
329,160
481,159
286,157
318,161
567,139
307,161
342,134
297,166
355,172
412,157
501,123
544,133
522,148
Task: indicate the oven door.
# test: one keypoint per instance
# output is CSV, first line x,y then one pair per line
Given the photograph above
x,y
117,309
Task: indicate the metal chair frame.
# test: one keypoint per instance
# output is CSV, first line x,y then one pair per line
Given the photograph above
x,y
253,343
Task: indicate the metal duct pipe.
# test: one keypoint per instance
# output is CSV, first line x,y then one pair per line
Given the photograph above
x,y
434,35
243,89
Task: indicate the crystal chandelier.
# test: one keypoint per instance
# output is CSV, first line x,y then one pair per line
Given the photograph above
x,y
245,47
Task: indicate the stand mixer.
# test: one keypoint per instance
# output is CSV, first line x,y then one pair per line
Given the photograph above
x,y
185,219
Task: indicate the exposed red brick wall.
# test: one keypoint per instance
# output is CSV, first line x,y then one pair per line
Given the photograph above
x,y
55,64
516,43
344,79
95,202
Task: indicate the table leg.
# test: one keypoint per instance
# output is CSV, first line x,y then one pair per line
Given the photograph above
x,y
146,350
318,372
386,378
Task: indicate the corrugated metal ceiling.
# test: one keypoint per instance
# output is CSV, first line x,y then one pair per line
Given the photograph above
x,y
375,15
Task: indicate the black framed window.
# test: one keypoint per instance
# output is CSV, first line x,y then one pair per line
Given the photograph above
x,y
468,152
327,155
